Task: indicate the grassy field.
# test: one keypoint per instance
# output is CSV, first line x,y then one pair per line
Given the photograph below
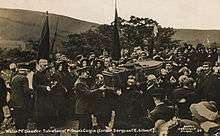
x,y
27,25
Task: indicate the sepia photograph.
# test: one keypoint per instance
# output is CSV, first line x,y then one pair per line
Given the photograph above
x,y
109,68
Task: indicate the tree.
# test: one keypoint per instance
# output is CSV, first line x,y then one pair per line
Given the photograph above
x,y
16,55
89,41
133,32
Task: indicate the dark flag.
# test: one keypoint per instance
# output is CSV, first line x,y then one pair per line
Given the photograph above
x,y
116,48
44,43
55,36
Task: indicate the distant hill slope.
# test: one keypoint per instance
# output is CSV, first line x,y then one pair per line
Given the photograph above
x,y
198,36
23,25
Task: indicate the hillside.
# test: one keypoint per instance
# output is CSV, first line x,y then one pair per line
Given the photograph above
x,y
24,25
198,36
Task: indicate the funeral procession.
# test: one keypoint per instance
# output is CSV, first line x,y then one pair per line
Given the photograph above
x,y
131,76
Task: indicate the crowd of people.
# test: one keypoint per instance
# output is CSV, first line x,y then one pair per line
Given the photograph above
x,y
182,96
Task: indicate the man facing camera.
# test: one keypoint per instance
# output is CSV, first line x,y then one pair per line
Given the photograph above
x,y
41,86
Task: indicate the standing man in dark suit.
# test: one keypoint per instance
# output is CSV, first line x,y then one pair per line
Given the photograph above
x,y
163,110
65,82
130,110
184,96
19,100
210,85
150,85
41,86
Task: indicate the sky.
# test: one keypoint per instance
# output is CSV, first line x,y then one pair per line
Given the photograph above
x,y
187,14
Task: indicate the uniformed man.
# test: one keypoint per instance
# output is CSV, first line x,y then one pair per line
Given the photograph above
x,y
102,98
83,94
20,99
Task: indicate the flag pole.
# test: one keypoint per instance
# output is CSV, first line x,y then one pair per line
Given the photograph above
x,y
116,49
115,4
